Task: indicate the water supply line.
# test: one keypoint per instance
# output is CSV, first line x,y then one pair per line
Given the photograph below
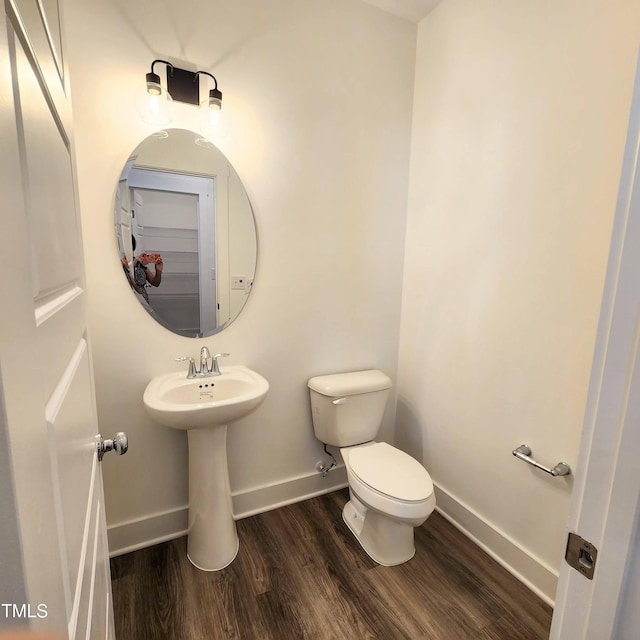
x,y
322,468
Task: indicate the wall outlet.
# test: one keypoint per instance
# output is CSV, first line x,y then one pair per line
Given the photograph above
x,y
238,282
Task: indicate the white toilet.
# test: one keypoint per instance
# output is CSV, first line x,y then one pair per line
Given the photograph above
x,y
390,492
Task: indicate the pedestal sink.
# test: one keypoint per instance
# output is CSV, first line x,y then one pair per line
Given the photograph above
x,y
204,406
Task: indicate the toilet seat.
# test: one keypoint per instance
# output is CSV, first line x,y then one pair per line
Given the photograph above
x,y
391,472
389,480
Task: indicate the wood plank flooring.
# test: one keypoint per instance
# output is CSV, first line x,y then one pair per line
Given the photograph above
x,y
300,573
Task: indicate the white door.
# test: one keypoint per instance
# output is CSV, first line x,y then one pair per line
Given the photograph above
x,y
54,571
606,501
188,248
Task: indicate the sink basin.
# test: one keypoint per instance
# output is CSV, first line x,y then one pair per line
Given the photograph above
x,y
203,407
194,403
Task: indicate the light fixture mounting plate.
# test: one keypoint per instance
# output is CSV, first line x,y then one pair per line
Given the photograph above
x,y
183,85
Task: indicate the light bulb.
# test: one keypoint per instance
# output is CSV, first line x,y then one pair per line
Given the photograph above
x,y
154,104
213,121
154,88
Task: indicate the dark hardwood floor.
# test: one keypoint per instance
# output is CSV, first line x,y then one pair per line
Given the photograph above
x,y
301,574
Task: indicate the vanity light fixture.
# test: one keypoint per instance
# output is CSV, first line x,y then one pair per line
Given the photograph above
x,y
214,101
155,105
213,121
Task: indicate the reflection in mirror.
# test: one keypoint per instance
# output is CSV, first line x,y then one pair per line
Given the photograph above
x,y
186,234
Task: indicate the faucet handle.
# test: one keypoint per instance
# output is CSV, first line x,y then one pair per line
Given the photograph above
x,y
192,366
215,368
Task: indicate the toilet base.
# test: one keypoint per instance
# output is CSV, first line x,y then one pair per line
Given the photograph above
x,y
388,542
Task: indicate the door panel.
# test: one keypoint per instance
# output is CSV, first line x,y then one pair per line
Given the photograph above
x,y
101,606
52,222
60,329
81,618
52,483
50,15
71,426
38,26
605,503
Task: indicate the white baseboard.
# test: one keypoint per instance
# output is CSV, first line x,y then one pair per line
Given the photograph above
x,y
144,532
147,531
279,494
531,571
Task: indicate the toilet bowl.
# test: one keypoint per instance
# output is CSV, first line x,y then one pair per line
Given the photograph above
x,y
390,493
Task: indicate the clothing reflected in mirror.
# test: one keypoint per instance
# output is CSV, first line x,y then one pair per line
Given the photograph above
x,y
141,275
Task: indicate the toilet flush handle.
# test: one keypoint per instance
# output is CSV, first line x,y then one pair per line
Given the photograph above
x,y
339,401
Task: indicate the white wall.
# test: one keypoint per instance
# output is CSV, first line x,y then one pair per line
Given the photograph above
x,y
520,117
321,96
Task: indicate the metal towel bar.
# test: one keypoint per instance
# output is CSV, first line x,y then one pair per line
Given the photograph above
x,y
523,452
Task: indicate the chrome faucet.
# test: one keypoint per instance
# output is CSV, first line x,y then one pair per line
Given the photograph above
x,y
192,373
215,369
205,370
204,361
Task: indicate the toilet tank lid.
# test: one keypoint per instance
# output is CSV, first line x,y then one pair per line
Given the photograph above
x,y
348,384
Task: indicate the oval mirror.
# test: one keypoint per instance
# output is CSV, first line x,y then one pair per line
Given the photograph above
x,y
186,233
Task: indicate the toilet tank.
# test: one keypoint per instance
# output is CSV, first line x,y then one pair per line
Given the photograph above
x,y
347,408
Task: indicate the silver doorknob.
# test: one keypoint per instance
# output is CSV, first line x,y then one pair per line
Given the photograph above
x,y
119,444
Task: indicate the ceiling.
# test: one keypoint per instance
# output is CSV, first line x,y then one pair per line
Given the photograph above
x,y
413,10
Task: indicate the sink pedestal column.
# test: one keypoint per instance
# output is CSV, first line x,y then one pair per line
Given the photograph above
x,y
213,541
